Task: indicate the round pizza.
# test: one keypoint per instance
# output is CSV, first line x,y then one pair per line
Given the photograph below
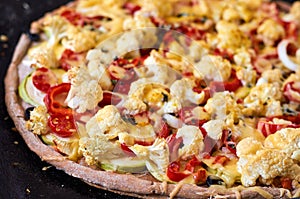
x,y
176,98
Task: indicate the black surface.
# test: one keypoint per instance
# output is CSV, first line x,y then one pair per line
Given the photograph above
x,y
21,174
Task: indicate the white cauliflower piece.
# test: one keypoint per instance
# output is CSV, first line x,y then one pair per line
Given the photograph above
x,y
262,99
270,76
271,31
79,40
138,21
214,128
214,68
44,57
192,141
157,8
223,106
38,122
98,147
230,37
246,75
85,92
157,70
156,156
268,161
56,29
295,11
183,90
141,95
286,139
106,121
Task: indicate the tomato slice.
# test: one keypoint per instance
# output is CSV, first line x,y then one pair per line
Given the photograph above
x,y
173,172
232,85
164,131
62,125
267,127
78,19
192,164
131,7
43,78
69,57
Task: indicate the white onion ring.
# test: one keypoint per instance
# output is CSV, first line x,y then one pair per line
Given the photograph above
x,y
172,121
284,57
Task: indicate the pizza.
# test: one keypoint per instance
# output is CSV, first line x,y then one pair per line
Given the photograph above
x,y
188,99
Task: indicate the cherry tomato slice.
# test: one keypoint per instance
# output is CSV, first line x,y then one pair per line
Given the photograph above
x,y
62,125
173,172
69,58
43,79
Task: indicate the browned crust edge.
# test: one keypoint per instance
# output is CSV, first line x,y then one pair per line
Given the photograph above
x,y
101,179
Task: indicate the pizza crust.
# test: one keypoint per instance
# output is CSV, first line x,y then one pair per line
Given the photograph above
x,y
140,187
101,179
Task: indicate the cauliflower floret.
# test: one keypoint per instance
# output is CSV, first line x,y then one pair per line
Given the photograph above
x,y
44,57
230,37
262,100
271,31
138,21
85,92
136,39
214,128
223,106
79,40
98,147
38,122
288,140
230,14
270,76
192,141
246,75
157,70
56,29
156,156
141,95
253,4
214,67
157,8
106,121
183,90
295,10
269,163
269,160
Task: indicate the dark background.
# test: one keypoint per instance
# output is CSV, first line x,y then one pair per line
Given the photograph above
x,y
21,171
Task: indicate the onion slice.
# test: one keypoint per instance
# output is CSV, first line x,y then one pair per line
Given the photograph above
x,y
283,55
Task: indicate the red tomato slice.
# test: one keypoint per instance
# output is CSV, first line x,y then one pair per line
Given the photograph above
x,y
164,131
43,79
192,164
69,58
62,125
173,172
109,99
78,19
231,85
131,7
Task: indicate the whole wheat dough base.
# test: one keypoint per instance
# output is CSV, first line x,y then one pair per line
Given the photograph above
x,y
138,186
